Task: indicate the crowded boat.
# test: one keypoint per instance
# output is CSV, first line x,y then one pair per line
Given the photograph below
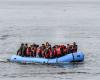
x,y
46,50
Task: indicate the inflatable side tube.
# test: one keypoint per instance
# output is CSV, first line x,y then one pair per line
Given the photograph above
x,y
78,56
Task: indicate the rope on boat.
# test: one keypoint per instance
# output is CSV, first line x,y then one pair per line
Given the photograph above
x,y
56,60
73,57
48,61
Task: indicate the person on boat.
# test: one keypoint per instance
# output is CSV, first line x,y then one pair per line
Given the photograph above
x,y
74,47
25,48
58,49
43,46
32,51
47,44
52,52
28,52
71,48
68,49
35,45
39,52
43,50
55,52
35,49
20,51
65,50
62,49
46,52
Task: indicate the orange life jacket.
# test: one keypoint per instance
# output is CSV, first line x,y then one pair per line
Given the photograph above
x,y
58,51
55,52
50,53
65,50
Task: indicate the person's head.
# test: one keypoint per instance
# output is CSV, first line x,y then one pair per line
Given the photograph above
x,y
22,44
64,47
68,45
54,46
47,43
26,44
31,46
74,43
43,44
34,44
37,45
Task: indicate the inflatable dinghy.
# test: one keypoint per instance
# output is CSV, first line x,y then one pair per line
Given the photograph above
x,y
72,57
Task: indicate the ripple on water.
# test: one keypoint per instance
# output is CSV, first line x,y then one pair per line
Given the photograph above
x,y
4,37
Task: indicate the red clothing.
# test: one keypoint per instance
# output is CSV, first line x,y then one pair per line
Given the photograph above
x,y
55,52
62,46
43,53
38,51
28,51
65,50
58,51
50,52
47,55
74,50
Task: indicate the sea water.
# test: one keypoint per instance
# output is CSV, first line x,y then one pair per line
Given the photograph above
x,y
55,21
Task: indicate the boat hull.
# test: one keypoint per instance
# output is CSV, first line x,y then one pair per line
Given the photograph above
x,y
72,57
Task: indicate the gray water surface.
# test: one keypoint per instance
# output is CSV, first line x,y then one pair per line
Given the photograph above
x,y
56,21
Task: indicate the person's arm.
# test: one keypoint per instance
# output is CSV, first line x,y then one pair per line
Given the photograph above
x,y
18,52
